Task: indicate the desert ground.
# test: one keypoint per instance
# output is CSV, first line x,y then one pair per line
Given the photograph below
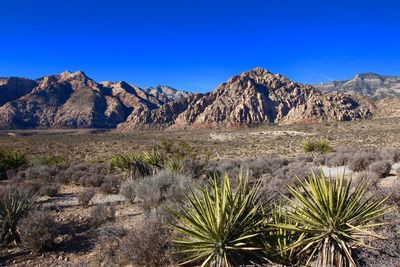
x,y
103,230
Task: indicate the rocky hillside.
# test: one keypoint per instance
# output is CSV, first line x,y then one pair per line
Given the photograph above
x,y
252,98
70,100
372,85
13,88
166,94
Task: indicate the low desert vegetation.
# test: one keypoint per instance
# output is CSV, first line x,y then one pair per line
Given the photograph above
x,y
169,205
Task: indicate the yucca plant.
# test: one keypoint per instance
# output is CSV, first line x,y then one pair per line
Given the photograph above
x,y
153,158
316,147
11,160
332,218
277,240
220,226
132,163
15,203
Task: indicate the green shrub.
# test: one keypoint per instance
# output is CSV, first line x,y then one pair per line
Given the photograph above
x,y
332,218
221,226
15,202
316,147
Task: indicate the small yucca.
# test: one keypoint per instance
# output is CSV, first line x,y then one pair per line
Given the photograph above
x,y
15,203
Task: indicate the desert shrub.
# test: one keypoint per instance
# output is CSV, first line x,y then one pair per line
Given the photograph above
x,y
38,231
226,166
316,147
147,245
337,159
127,189
83,174
390,154
15,203
111,184
276,182
381,168
332,218
361,160
160,188
221,226
108,241
85,197
386,250
319,160
102,214
50,161
42,172
50,190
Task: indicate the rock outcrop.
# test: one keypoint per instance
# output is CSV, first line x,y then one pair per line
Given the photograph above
x,y
255,97
371,85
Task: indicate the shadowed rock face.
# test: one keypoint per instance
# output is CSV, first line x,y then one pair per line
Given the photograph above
x,y
13,88
371,85
70,100
252,98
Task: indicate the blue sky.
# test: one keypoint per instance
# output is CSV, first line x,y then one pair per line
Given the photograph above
x,y
196,45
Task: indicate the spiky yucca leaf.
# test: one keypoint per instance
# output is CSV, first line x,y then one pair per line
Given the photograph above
x,y
221,226
333,218
14,204
277,240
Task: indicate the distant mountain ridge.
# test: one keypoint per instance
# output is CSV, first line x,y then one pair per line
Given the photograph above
x,y
372,85
254,97
251,98
71,100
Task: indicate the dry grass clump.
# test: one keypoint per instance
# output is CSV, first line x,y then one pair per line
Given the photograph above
x,y
38,231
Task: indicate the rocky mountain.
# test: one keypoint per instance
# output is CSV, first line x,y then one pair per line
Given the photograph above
x,y
167,94
70,100
372,85
252,98
13,88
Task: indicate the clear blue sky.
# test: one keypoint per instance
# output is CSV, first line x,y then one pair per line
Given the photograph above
x,y
197,44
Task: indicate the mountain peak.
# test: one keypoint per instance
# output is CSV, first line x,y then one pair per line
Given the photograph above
x,y
367,75
68,74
